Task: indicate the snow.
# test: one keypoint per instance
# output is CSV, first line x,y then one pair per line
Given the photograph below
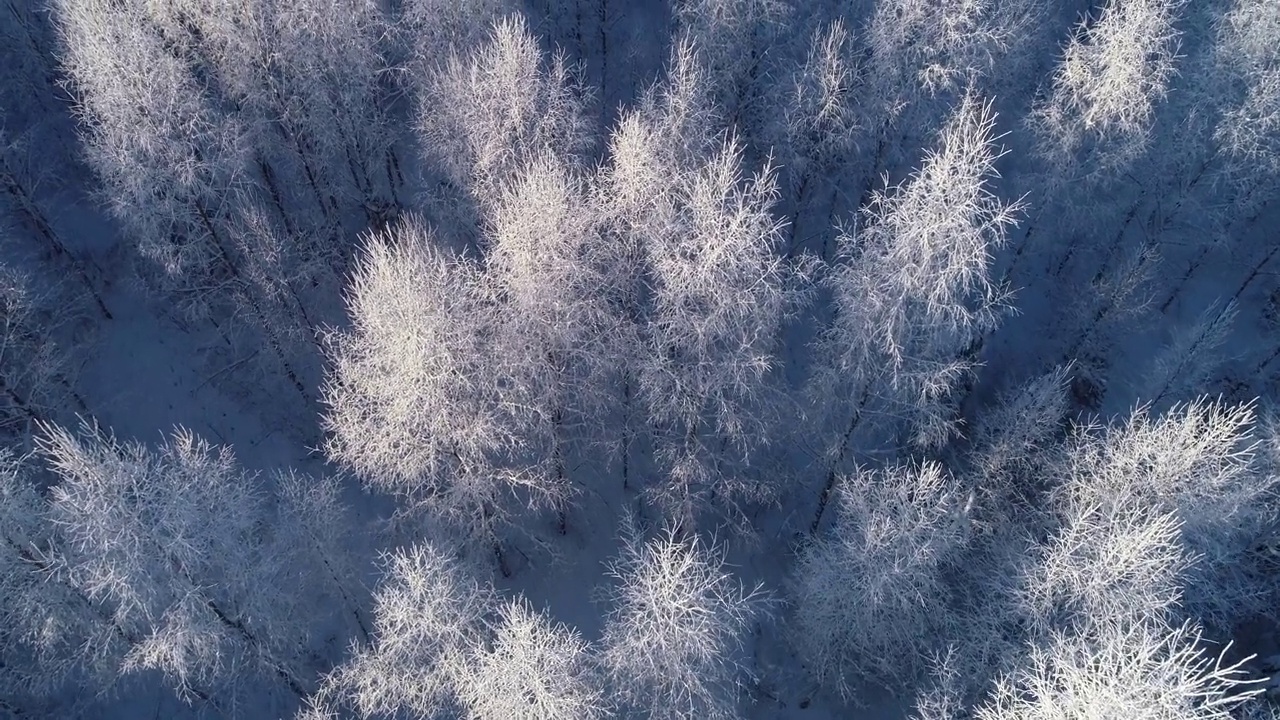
x,y
149,370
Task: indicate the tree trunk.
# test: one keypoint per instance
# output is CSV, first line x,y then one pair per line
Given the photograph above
x,y
35,219
825,497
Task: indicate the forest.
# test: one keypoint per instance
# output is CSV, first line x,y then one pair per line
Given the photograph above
x,y
640,359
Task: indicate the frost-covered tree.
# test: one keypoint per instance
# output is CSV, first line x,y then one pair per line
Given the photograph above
x,y
47,629
184,109
680,109
556,327
26,68
920,47
419,401
1196,465
169,542
1014,436
1147,671
944,699
174,155
1012,447
632,189
702,284
676,624
271,309
34,366
919,55
1112,302
1248,56
1108,563
913,296
1114,70
305,81
428,611
489,111
430,30
821,122
1188,361
720,295
821,114
868,595
410,390
532,669
1113,596
167,158
24,167
238,143
312,519
735,39
330,64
